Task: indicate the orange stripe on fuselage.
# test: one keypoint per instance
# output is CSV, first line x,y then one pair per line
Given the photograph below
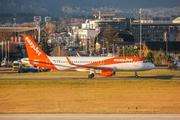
x,y
116,60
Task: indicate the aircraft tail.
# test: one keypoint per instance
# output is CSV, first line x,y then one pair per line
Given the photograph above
x,y
36,55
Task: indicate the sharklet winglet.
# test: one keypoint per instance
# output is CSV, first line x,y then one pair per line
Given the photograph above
x,y
69,61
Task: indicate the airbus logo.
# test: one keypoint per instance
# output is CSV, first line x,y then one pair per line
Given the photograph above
x,y
33,46
123,60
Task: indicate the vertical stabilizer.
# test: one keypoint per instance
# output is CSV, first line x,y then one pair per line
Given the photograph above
x,y
36,55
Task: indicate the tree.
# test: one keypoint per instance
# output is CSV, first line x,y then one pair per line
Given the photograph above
x,y
58,51
45,47
4,36
49,27
109,34
13,48
178,36
128,52
64,23
159,57
150,57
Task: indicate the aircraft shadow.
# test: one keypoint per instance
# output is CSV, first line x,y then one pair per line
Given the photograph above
x,y
152,77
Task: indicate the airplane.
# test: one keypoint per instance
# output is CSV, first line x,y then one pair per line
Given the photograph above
x,y
25,61
78,55
105,66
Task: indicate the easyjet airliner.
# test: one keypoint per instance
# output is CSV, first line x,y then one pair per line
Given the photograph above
x,y
105,66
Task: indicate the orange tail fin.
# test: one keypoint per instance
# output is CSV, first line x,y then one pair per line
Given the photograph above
x,y
36,55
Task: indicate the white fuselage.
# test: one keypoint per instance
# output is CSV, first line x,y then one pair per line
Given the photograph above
x,y
61,63
25,61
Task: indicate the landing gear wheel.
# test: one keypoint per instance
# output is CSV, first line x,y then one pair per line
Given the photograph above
x,y
91,75
114,72
136,75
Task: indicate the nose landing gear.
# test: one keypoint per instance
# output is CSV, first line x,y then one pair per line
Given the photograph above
x,y
136,75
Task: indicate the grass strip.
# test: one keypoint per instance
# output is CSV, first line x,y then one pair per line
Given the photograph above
x,y
90,96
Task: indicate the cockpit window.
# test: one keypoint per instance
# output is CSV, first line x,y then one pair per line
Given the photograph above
x,y
145,61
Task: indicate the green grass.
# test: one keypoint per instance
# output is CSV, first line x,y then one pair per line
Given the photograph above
x,y
90,96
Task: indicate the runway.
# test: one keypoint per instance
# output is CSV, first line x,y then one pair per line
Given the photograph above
x,y
9,71
89,117
86,78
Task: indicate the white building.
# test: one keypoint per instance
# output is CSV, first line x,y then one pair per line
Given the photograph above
x,y
85,35
89,24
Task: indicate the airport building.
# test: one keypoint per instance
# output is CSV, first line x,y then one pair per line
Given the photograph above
x,y
160,31
157,34
155,30
119,23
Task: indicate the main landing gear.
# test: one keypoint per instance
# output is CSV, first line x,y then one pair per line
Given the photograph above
x,y
91,75
136,75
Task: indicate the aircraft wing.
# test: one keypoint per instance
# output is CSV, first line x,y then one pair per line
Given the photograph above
x,y
85,66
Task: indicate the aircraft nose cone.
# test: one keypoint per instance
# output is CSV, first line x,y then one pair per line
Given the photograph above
x,y
152,66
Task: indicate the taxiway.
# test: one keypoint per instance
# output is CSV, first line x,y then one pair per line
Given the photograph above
x,y
89,117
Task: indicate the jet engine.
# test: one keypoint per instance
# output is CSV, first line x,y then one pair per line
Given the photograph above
x,y
107,72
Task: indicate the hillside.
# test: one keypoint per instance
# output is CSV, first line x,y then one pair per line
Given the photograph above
x,y
89,7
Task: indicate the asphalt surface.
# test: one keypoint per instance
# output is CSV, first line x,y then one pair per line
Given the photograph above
x,y
9,77
86,78
89,117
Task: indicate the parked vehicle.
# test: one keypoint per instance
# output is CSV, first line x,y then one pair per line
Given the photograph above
x,y
43,70
173,64
16,65
25,70
4,63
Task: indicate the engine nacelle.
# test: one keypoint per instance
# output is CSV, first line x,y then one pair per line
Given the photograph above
x,y
106,72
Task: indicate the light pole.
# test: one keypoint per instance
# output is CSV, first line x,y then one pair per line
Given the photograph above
x,y
165,38
123,50
2,50
107,47
103,46
140,12
8,52
39,32
14,29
